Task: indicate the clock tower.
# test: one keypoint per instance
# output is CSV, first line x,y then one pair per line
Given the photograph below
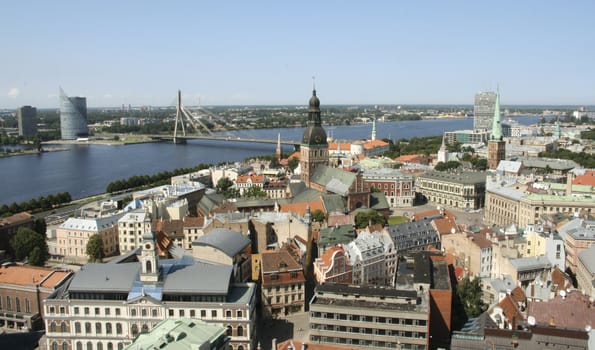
x,y
314,147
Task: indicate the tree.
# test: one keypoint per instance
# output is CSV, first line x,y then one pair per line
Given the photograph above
x,y
40,226
254,192
318,216
469,293
293,163
274,163
363,219
95,248
30,244
223,184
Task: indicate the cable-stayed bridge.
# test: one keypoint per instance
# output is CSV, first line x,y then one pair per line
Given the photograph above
x,y
187,119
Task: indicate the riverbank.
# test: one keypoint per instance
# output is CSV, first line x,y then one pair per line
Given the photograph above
x,y
32,151
107,140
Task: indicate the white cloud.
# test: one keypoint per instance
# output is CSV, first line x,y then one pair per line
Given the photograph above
x,y
13,92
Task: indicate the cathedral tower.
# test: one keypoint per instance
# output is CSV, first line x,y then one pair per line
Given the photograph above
x,y
150,269
314,146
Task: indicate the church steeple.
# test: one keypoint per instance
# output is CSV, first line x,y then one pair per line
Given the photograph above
x,y
314,146
497,121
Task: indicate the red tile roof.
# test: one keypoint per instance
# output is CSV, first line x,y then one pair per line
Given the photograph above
x,y
588,178
300,207
573,311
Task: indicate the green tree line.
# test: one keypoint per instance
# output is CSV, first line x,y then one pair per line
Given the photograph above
x,y
36,204
153,180
582,158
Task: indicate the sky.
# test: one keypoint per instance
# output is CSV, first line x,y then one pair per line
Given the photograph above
x,y
266,52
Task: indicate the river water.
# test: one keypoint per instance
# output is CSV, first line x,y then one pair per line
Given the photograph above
x,y
84,170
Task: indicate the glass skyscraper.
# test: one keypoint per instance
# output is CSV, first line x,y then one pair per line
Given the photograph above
x,y
73,117
27,120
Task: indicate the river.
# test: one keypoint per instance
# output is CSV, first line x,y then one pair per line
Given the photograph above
x,y
85,170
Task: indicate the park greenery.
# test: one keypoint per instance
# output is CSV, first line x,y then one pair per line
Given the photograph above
x,y
31,246
139,181
467,302
36,204
370,217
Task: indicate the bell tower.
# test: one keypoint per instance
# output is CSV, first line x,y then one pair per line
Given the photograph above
x,y
314,146
150,268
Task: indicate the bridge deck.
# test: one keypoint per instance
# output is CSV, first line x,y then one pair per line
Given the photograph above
x,y
223,138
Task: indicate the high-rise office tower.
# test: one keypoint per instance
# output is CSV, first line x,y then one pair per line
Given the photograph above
x,y
483,110
73,117
27,119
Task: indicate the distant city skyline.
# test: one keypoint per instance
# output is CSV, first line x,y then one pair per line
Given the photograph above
x,y
265,53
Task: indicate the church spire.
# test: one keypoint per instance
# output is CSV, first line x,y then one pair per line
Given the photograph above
x,y
497,122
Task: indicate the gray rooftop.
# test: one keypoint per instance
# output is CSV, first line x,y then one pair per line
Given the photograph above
x,y
94,224
332,177
105,277
465,177
228,241
531,263
587,258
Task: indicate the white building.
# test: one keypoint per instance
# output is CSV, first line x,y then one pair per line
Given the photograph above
x,y
367,257
131,228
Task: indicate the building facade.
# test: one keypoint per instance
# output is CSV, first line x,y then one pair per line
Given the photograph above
x,y
350,316
283,284
496,144
464,190
27,121
73,117
107,305
397,186
22,289
73,235
131,228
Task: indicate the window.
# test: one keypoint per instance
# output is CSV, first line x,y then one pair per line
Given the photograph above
x,y
229,331
89,345
98,328
107,311
239,314
110,346
76,310
181,313
134,330
86,311
171,312
117,311
77,327
118,328
214,313
53,326
192,313
65,346
54,346
79,345
9,305
63,327
203,313
97,311
240,331
228,313
88,327
108,328
154,312
133,312
143,312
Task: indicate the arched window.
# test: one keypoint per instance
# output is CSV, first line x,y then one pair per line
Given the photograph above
x,y
145,328
133,312
63,327
110,346
28,307
87,327
143,312
53,326
18,303
98,328
89,345
79,345
134,329
149,266
240,331
9,305
99,346
65,346
108,328
241,347
118,328
120,346
154,312
54,346
77,327
229,331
